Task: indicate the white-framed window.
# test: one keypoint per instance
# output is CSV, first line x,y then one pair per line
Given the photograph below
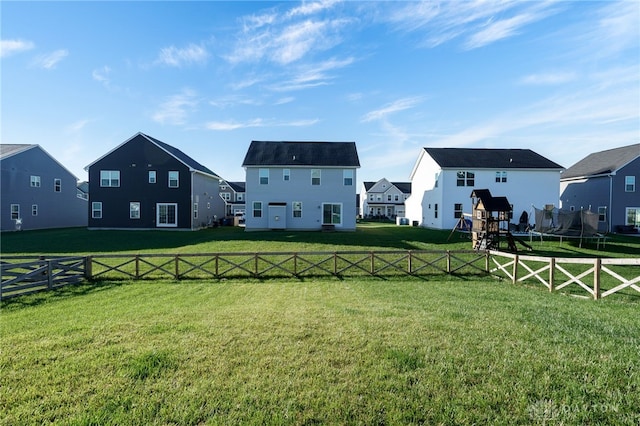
x,y
286,174
134,210
195,210
457,210
109,178
297,208
379,197
629,184
501,177
257,209
166,215
435,211
96,210
15,211
174,179
466,179
331,214
35,181
263,176
240,196
34,210
370,197
437,176
572,208
57,185
152,176
632,216
225,196
347,177
316,174
388,197
396,198
602,213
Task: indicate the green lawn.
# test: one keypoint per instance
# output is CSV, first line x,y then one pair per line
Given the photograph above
x,y
404,351
359,350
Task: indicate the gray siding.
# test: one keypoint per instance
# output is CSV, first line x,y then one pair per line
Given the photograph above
x,y
622,199
206,194
54,209
298,188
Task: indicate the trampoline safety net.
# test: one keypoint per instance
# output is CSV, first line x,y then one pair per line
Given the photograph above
x,y
578,223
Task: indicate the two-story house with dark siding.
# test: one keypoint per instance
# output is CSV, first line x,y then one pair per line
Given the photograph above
x,y
144,183
37,191
301,185
606,182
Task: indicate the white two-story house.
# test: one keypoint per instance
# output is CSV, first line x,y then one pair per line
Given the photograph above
x,y
443,178
301,185
384,199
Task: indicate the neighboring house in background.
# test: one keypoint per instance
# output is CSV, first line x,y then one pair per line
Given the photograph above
x,y
606,183
37,191
384,199
301,185
233,195
144,183
443,179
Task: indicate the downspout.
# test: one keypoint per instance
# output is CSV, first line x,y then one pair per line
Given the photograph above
x,y
610,201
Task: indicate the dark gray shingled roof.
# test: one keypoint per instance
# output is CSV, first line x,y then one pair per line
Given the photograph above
x,y
603,162
327,154
488,158
404,187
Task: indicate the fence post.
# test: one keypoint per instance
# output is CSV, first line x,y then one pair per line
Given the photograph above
x,y
177,263
372,263
448,262
515,269
295,264
487,255
49,274
137,266
552,273
335,263
596,278
409,266
217,257
88,267
255,264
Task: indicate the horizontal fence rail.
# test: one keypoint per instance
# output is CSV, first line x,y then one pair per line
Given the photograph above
x,y
597,277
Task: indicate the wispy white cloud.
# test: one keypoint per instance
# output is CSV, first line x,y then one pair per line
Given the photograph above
x,y
50,60
234,100
286,37
179,57
77,126
393,107
311,75
102,75
550,78
257,122
175,109
478,23
10,47
285,100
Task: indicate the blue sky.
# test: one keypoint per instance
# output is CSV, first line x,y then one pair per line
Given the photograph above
x,y
561,78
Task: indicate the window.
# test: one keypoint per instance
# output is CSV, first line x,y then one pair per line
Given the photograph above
x,y
286,174
435,211
602,214
35,181
332,214
167,215
501,177
465,179
225,196
195,210
257,209
263,175
152,176
134,210
436,180
15,211
370,197
457,210
629,184
96,210
297,209
174,179
633,216
109,178
388,197
379,197
315,176
57,185
347,177
34,210
239,196
396,197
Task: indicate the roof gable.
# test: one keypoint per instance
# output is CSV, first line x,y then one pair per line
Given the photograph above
x,y
489,158
172,151
9,150
295,154
603,162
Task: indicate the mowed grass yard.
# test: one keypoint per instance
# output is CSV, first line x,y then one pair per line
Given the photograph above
x,y
403,350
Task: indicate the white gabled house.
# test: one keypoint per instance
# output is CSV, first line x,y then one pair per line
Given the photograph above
x,y
443,179
301,185
384,198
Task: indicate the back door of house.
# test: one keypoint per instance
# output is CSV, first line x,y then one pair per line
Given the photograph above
x,y
277,215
